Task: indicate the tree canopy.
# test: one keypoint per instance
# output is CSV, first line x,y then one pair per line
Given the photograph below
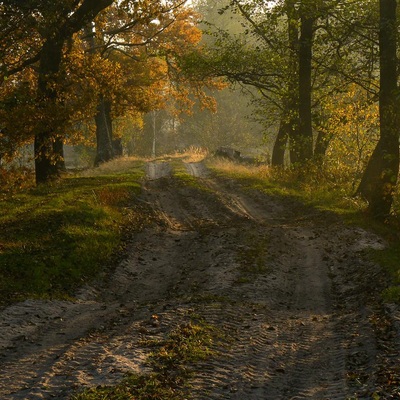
x,y
65,63
300,56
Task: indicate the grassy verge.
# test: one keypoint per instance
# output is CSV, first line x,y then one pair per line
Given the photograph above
x,y
390,259
302,185
171,362
55,237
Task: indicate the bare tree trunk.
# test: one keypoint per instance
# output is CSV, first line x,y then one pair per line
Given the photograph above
x,y
321,144
48,144
46,165
104,150
380,177
58,149
291,103
104,138
278,152
304,144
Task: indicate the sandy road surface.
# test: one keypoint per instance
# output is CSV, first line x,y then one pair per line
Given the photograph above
x,y
287,284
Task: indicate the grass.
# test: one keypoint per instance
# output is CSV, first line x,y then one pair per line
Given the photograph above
x,y
390,259
171,363
255,177
55,237
191,155
314,190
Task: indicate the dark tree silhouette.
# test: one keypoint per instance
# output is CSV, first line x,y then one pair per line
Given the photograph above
x,y
380,177
48,144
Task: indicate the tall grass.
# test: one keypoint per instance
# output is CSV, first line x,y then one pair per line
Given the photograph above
x,y
191,154
311,184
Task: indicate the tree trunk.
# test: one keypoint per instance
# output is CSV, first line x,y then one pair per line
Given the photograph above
x,y
321,144
46,160
117,147
104,151
48,146
58,149
304,142
278,152
291,102
380,177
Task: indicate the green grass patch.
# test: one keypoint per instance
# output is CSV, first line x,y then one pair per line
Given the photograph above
x,y
55,237
188,180
389,258
181,173
309,186
251,177
392,294
171,362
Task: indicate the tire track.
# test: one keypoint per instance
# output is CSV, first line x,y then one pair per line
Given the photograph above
x,y
295,347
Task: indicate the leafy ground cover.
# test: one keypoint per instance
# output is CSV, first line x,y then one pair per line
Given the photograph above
x,y
53,238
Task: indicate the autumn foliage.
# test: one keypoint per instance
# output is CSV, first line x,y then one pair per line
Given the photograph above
x,y
126,55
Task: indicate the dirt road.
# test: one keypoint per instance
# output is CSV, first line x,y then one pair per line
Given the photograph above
x,y
288,287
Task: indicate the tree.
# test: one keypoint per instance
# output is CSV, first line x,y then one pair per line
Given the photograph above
x,y
48,142
20,41
130,68
380,177
289,117
245,46
230,124
303,141
41,46
296,54
273,54
145,44
350,124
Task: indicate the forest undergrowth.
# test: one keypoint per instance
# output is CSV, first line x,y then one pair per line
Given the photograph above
x,y
56,237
